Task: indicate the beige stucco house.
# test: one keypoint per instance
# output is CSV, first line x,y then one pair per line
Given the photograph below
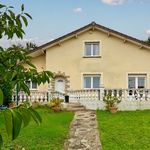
x,y
92,57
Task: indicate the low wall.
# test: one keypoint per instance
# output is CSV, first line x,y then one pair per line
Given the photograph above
x,y
123,106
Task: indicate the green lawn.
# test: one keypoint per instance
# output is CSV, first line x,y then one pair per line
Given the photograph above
x,y
124,130
50,135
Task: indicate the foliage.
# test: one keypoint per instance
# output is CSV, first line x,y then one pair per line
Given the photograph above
x,y
30,46
55,104
148,41
111,101
13,72
128,130
27,47
1,97
36,104
19,117
12,104
11,23
50,135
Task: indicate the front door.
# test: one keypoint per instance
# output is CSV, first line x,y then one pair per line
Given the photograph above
x,y
60,85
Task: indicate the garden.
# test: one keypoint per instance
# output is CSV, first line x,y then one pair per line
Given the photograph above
x,y
49,135
128,130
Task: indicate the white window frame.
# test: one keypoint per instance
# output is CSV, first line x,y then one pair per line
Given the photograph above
x,y
31,85
136,76
92,75
92,49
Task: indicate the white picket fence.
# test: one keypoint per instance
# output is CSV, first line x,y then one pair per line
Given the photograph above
x,y
131,99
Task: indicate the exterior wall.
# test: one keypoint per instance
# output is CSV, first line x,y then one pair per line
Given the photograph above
x,y
40,63
117,60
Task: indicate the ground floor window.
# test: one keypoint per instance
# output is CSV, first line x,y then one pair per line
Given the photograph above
x,y
136,81
91,81
31,85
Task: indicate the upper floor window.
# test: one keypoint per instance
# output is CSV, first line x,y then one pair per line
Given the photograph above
x,y
136,81
31,85
92,49
91,81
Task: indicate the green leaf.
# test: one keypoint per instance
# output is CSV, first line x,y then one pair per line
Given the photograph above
x,y
1,97
28,15
25,20
1,141
8,121
10,7
17,122
18,21
12,14
1,6
22,7
26,116
36,117
13,122
30,64
24,87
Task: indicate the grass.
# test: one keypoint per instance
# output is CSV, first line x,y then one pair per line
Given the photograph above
x,y
50,135
124,130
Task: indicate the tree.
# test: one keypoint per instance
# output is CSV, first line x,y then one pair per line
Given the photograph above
x,y
14,74
148,41
30,46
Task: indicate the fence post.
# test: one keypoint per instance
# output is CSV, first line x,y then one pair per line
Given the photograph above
x,y
47,93
101,92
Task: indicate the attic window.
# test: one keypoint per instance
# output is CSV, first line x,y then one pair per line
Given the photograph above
x,y
92,49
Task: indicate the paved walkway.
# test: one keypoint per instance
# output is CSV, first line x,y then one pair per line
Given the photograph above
x,y
83,131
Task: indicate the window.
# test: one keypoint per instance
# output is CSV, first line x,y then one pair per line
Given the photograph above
x,y
136,81
91,49
31,85
91,81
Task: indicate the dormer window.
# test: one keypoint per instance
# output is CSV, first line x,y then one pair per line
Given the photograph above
x,y
92,49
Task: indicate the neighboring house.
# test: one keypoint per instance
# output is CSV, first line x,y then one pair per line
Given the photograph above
x,y
92,57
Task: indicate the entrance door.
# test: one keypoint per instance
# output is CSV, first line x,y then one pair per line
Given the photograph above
x,y
60,85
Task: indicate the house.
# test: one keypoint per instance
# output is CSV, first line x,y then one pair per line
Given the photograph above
x,y
94,56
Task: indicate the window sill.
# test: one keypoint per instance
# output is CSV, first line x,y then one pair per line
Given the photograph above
x,y
91,56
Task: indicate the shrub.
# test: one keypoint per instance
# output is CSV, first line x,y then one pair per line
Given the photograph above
x,y
55,104
111,101
36,104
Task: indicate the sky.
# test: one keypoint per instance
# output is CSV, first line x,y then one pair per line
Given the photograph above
x,y
54,18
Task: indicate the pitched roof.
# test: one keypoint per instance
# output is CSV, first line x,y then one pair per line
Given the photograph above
x,y
92,26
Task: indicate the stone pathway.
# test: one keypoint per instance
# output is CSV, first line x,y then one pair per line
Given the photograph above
x,y
83,131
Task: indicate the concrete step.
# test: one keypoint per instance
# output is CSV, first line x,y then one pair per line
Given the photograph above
x,y
75,107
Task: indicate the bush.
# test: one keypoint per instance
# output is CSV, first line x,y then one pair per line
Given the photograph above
x,y
36,104
12,104
55,104
111,101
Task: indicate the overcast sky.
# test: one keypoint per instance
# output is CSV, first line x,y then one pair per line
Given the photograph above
x,y
54,18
